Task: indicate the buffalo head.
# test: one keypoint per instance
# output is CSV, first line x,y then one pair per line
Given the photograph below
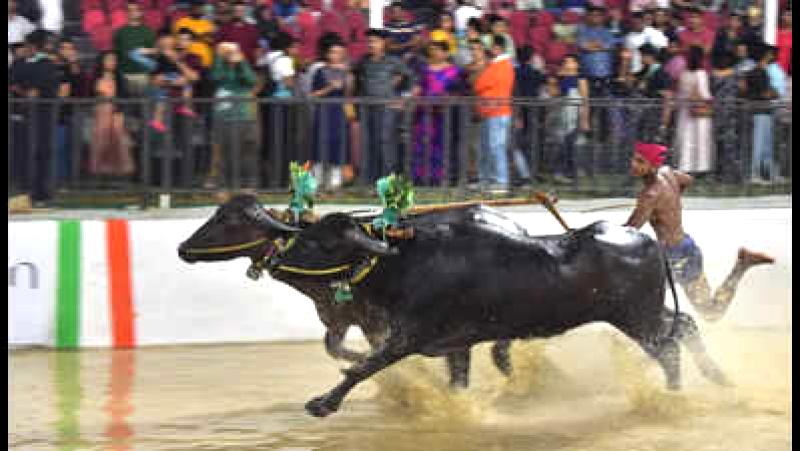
x,y
337,239
239,228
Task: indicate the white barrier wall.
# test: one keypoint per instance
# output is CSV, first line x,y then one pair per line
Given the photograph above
x,y
119,283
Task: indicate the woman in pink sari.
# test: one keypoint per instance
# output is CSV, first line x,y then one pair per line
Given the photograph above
x,y
110,150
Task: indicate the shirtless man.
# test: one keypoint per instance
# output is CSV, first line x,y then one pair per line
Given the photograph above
x,y
660,204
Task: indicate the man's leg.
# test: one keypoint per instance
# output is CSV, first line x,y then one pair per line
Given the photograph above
x,y
388,137
484,160
499,142
713,308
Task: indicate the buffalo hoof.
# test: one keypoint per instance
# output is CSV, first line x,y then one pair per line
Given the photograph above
x,y
320,407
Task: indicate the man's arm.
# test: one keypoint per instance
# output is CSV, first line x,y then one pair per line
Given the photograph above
x,y
645,205
684,180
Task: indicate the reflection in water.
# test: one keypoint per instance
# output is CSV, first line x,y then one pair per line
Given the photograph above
x,y
119,404
67,380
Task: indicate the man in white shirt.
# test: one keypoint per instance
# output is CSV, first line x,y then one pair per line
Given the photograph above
x,y
18,26
641,35
464,13
52,15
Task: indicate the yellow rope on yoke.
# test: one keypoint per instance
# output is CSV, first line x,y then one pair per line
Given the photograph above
x,y
223,249
314,272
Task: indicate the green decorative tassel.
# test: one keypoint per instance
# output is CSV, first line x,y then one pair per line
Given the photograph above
x,y
343,293
304,186
397,195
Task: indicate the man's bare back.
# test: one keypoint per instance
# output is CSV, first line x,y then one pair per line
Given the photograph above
x,y
660,204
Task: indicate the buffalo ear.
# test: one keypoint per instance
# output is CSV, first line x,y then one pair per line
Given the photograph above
x,y
264,220
368,244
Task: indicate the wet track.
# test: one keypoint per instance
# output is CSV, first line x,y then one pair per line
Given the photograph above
x,y
248,397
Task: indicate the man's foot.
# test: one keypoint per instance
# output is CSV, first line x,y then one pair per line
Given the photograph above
x,y
751,258
157,126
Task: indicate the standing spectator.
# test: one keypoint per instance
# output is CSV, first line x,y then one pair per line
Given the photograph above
x,y
496,81
725,89
478,61
622,118
528,82
190,43
498,26
132,37
615,24
332,80
726,39
758,88
784,42
675,63
596,44
446,33
697,34
571,116
38,78
235,126
281,65
653,82
693,131
18,26
239,31
744,63
110,150
463,14
639,36
72,85
172,77
473,32
753,32
438,78
267,24
381,76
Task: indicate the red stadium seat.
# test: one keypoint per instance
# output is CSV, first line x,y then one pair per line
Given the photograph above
x,y
314,5
119,18
333,21
519,23
540,37
101,37
154,19
543,19
93,19
90,5
554,53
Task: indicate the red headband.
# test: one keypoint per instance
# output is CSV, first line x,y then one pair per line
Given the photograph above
x,y
654,153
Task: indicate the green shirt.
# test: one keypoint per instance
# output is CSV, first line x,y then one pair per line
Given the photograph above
x,y
129,38
234,81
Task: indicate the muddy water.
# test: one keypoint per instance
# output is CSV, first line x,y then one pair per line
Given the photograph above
x,y
587,390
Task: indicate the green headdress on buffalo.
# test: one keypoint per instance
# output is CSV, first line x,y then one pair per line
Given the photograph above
x,y
397,195
303,189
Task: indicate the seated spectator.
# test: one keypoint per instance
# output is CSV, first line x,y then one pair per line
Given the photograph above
x,y
662,22
239,31
404,35
110,150
52,16
465,11
196,20
615,23
196,47
445,32
285,11
639,36
573,5
267,24
725,41
222,13
18,26
133,36
498,26
753,32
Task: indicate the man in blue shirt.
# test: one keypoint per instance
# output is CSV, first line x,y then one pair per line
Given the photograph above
x,y
596,44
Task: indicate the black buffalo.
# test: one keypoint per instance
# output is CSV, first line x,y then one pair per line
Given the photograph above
x,y
479,277
242,228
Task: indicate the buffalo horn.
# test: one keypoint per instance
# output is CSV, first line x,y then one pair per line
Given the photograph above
x,y
370,245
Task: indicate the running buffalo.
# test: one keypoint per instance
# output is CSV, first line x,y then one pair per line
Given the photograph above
x,y
479,277
242,228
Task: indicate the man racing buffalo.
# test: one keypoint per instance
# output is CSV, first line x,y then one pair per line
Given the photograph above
x,y
659,202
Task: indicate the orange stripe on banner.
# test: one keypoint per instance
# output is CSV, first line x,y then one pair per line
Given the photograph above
x,y
120,286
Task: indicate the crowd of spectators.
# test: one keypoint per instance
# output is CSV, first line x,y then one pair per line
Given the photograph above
x,y
177,51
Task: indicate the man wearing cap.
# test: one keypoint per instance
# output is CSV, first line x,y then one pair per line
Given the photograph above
x,y
659,203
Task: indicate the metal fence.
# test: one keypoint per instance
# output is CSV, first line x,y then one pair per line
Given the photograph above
x,y
91,145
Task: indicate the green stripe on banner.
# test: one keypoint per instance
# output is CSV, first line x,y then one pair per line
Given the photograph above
x,y
68,288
